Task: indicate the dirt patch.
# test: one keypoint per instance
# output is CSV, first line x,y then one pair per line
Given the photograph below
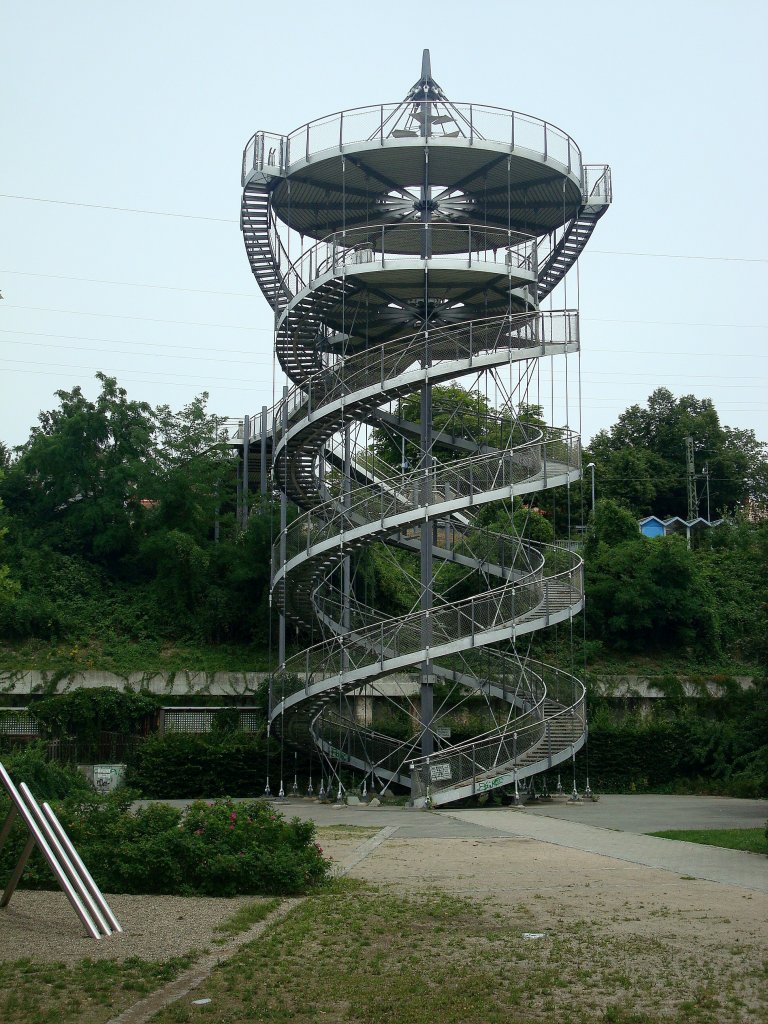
x,y
608,925
42,926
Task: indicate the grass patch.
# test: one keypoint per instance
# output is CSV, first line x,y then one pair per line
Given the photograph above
x,y
244,918
87,993
124,655
753,840
357,953
346,831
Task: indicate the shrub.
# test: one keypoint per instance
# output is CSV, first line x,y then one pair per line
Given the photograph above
x,y
47,779
249,847
86,713
217,849
183,765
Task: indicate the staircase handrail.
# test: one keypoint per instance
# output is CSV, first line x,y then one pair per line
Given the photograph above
x,y
463,479
345,658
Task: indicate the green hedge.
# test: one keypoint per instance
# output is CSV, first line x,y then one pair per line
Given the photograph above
x,y
181,765
684,755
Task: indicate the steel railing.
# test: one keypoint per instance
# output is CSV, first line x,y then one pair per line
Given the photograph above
x,y
347,660
390,123
375,505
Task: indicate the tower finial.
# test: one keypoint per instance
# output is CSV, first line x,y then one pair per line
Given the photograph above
x,y
425,88
426,67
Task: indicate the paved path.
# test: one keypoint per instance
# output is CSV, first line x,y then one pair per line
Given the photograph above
x,y
636,813
731,867
612,827
647,813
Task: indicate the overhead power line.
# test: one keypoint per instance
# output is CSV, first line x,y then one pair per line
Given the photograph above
x,y
236,386
119,209
268,330
210,357
148,319
249,352
253,363
670,323
111,369
677,256
134,284
121,341
233,220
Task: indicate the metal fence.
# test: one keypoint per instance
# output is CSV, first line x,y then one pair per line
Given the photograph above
x,y
203,720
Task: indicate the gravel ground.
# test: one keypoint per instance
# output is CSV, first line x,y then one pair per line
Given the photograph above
x,y
42,926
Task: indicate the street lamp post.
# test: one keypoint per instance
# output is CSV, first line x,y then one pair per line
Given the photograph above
x,y
591,466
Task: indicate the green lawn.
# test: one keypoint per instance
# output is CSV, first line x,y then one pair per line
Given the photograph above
x,y
89,992
751,839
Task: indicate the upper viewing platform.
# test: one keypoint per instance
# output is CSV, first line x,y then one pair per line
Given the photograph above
x,y
486,165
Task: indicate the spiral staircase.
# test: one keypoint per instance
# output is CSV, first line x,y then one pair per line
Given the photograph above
x,y
405,247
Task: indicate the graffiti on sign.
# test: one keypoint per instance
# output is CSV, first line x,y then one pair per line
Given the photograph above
x,y
486,784
107,777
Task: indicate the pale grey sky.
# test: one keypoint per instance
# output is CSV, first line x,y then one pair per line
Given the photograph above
x,y
148,106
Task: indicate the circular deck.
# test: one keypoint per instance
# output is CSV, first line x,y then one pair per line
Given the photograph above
x,y
365,167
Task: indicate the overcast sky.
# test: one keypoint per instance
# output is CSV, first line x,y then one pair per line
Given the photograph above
x,y
147,106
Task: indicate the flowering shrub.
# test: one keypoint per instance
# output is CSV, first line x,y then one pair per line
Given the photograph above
x,y
250,848
217,849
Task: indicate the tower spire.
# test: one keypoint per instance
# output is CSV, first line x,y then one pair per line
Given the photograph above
x,y
426,88
426,67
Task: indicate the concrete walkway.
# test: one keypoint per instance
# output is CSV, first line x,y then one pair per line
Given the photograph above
x,y
642,813
611,827
730,867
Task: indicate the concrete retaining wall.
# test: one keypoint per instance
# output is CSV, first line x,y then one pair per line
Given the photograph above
x,y
243,684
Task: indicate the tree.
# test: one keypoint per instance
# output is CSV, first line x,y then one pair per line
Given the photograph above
x,y
80,478
460,413
9,588
733,558
122,524
641,460
648,595
609,524
195,468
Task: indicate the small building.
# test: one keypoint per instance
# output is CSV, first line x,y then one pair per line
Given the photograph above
x,y
653,526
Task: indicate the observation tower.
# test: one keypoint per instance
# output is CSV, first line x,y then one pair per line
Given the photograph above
x,y
406,250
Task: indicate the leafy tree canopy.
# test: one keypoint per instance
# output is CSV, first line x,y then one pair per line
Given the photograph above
x,y
121,522
82,474
641,460
9,587
650,595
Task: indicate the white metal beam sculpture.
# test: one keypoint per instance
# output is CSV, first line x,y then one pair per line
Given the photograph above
x,y
47,833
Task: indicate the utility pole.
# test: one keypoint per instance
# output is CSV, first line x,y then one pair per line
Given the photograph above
x,y
693,503
591,466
